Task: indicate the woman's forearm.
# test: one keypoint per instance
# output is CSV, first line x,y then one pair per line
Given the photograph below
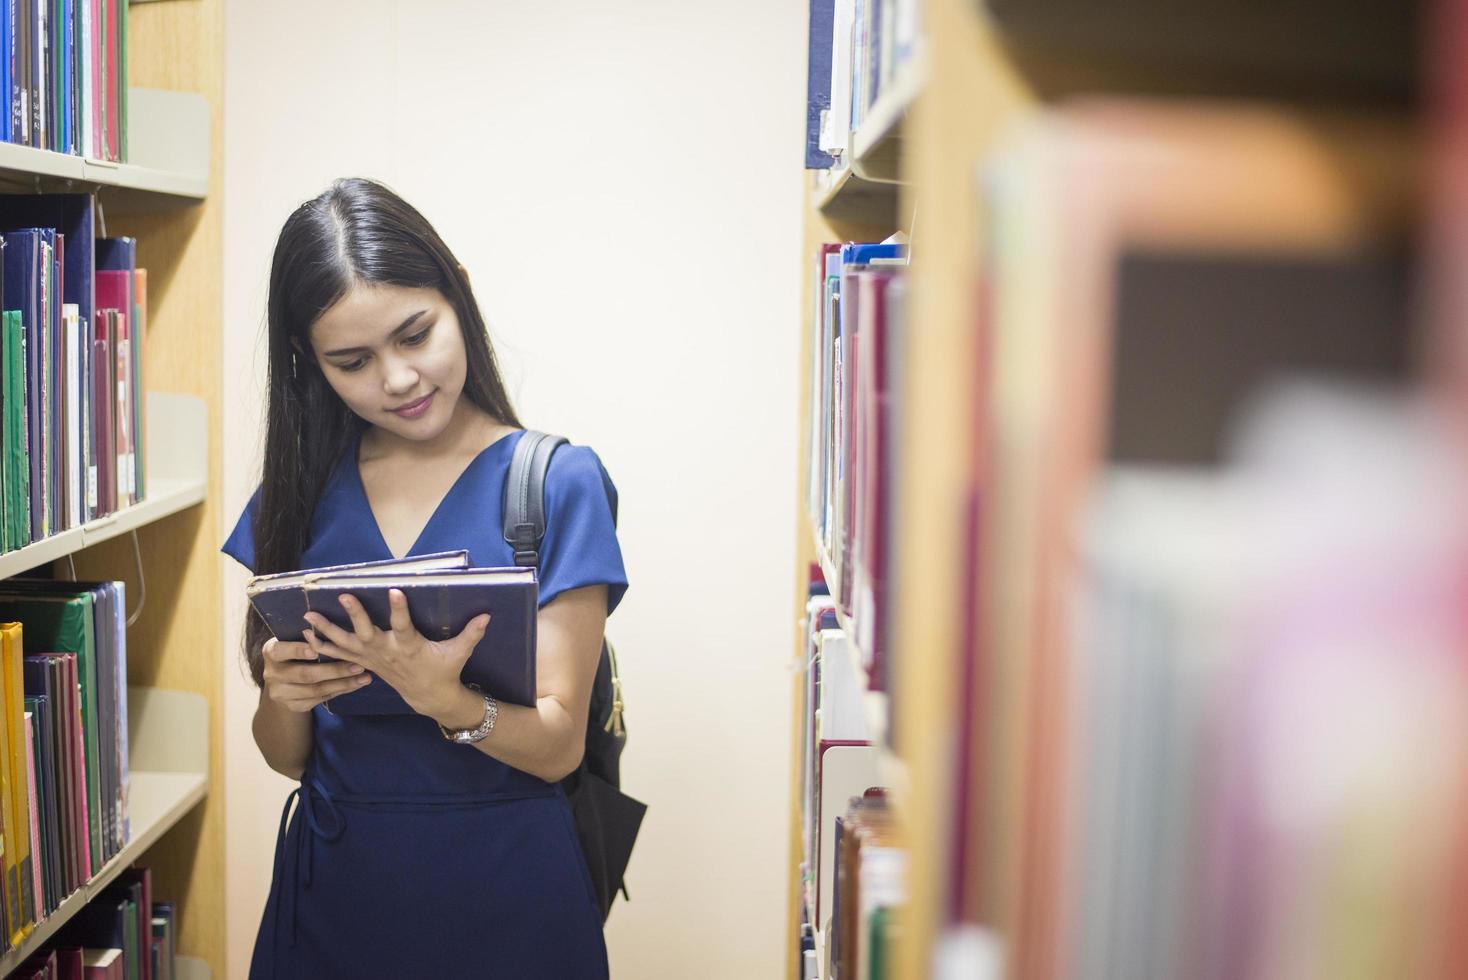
x,y
543,741
284,737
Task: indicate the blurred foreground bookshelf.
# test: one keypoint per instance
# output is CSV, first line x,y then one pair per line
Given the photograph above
x,y
165,545
1161,369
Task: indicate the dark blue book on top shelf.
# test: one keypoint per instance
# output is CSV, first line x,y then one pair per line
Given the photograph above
x,y
818,81
441,603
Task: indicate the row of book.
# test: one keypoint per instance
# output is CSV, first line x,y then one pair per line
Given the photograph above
x,y
63,742
63,70
853,867
1211,680
857,48
122,934
856,333
72,388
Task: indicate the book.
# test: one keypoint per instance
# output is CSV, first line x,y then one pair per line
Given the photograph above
x,y
818,81
103,964
441,602
19,877
1090,209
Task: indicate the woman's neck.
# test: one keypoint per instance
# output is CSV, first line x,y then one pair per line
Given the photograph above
x,y
469,431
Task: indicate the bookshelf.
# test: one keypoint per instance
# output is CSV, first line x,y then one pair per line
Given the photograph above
x,y
169,777
164,198
933,131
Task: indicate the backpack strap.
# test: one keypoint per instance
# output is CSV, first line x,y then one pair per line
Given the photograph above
x,y
524,514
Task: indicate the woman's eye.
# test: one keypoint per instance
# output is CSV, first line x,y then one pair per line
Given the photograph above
x,y
356,365
417,338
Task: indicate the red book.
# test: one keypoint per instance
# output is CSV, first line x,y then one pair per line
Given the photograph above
x,y
96,150
69,964
104,399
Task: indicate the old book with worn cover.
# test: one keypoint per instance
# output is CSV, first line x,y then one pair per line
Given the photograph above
x,y
441,602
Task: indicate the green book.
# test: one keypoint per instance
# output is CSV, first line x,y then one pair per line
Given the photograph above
x,y
134,963
64,624
17,469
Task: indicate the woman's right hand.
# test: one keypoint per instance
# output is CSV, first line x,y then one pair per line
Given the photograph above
x,y
297,682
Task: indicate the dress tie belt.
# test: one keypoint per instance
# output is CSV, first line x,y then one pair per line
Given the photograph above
x,y
321,817
311,796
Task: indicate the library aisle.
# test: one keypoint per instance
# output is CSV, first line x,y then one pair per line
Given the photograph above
x,y
1130,544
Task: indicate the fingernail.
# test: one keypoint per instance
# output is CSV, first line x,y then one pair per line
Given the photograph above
x,y
356,668
364,679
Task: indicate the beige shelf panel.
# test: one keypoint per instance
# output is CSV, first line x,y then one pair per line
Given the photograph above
x,y
178,455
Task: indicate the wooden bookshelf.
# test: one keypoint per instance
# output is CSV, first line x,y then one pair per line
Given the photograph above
x,y
167,779
929,132
915,166
167,197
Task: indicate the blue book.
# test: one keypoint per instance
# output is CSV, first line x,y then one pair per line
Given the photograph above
x,y
441,602
856,254
7,17
818,81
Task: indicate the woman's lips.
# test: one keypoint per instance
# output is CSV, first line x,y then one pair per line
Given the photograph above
x,y
414,409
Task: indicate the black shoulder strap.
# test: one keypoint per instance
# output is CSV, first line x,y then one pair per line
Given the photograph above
x,y
524,516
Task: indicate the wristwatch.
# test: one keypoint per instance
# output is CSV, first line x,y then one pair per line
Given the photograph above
x,y
468,735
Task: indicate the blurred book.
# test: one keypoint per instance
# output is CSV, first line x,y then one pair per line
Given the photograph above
x,y
1150,267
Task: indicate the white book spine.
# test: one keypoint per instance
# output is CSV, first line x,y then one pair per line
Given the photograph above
x,y
837,130
84,52
74,415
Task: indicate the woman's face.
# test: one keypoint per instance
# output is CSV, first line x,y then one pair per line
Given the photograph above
x,y
395,355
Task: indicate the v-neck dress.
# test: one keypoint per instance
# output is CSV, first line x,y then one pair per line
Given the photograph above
x,y
407,855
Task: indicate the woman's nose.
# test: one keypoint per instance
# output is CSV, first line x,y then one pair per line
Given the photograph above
x,y
399,376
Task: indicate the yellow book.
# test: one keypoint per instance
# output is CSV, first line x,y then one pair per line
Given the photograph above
x,y
20,916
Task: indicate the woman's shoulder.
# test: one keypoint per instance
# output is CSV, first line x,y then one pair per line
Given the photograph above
x,y
577,474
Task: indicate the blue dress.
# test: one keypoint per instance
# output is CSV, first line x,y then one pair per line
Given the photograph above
x,y
409,856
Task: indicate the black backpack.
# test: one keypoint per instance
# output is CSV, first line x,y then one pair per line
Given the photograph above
x,y
607,820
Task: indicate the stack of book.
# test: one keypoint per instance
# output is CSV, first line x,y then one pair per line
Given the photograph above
x,y
71,389
838,760
63,71
120,935
870,887
858,48
63,742
854,373
1263,762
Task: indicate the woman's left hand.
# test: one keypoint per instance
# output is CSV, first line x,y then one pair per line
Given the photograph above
x,y
425,672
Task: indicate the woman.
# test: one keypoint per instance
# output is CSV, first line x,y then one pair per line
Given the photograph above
x,y
389,433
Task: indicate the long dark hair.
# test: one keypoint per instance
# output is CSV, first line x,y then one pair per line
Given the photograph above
x,y
358,231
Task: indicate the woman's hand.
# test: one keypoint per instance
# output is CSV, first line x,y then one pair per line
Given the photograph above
x,y
293,680
425,672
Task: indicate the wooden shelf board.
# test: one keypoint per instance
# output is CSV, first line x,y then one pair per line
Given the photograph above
x,y
156,801
27,168
165,497
847,197
150,179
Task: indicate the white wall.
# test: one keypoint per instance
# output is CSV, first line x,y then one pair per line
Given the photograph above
x,y
622,181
